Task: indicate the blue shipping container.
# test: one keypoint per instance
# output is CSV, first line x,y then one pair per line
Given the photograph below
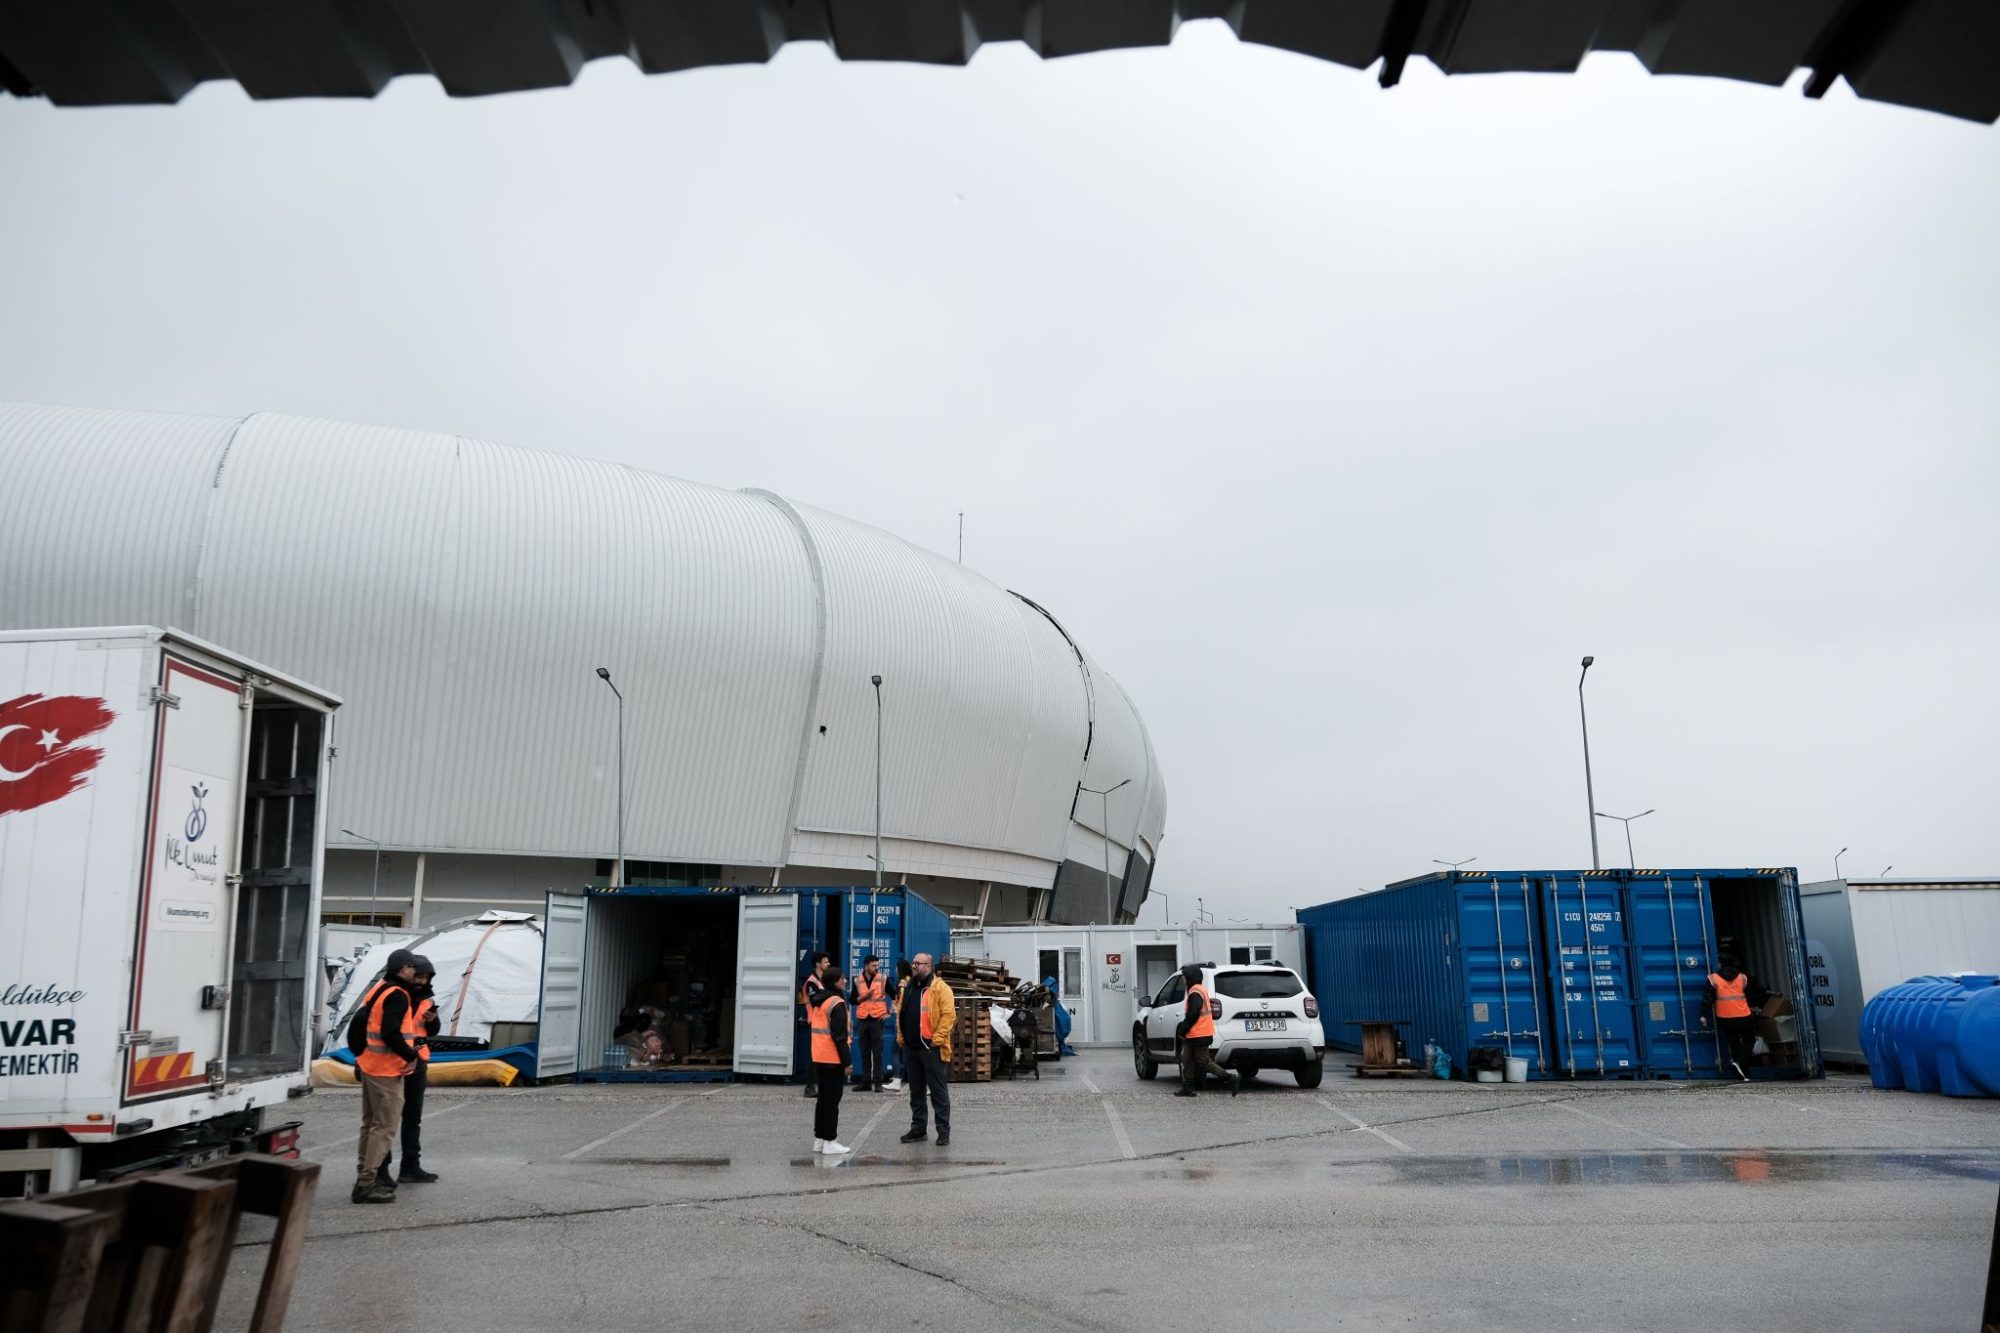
x,y
1583,973
894,925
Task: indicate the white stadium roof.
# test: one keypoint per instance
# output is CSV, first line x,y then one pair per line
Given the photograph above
x,y
460,595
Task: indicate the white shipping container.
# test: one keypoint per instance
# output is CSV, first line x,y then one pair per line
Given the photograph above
x,y
1101,971
160,857
1865,935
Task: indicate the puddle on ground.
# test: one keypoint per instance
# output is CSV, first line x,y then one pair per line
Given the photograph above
x,y
1681,1168
708,1162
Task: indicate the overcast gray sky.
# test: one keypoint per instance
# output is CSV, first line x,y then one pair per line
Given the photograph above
x,y
1338,424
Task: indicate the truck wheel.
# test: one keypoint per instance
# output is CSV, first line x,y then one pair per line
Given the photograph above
x,y
1143,1063
1310,1075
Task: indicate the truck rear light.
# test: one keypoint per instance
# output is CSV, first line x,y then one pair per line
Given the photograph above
x,y
283,1141
1215,1009
1312,1007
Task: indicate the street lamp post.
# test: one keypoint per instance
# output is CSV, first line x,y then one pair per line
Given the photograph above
x,y
873,920
1589,796
1626,820
1454,865
1836,861
375,883
1106,795
618,866
876,681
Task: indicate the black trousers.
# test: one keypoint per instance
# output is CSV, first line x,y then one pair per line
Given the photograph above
x,y
414,1084
928,1082
1740,1033
826,1110
870,1030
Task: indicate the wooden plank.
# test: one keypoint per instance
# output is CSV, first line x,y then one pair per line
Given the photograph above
x,y
53,1254
192,1222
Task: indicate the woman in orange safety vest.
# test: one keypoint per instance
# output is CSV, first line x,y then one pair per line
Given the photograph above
x,y
829,1056
1728,997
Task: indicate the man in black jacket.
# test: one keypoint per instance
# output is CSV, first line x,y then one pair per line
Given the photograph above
x,y
379,1035
416,1081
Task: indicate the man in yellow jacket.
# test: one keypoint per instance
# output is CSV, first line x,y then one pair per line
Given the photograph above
x,y
926,1010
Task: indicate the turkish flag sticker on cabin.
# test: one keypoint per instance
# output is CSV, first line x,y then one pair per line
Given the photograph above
x,y
40,759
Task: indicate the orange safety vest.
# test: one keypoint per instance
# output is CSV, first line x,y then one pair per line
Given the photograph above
x,y
378,1060
1204,1026
425,1008
872,997
824,1052
806,988
1729,1001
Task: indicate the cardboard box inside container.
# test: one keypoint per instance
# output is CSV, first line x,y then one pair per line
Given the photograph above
x,y
1777,1006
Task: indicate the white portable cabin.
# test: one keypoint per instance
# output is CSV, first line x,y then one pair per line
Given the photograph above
x,y
1101,971
1866,934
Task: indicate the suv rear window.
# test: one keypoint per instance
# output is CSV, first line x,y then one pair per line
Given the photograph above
x,y
1258,985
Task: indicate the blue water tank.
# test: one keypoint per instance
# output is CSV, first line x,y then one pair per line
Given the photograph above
x,y
1935,1034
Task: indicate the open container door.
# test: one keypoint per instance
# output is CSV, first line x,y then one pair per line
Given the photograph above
x,y
1668,916
767,965
180,974
565,920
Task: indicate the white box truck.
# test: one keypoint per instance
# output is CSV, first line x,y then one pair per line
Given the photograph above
x,y
161,843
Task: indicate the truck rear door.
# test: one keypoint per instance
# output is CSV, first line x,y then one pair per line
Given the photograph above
x,y
181,958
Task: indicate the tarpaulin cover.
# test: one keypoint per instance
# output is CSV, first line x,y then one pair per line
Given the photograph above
x,y
489,970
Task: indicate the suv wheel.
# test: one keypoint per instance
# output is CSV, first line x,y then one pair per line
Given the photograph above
x,y
1310,1075
1143,1063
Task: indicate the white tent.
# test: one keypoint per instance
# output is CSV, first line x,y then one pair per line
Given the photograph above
x,y
489,970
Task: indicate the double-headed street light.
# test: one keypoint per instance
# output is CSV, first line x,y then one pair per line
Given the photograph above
x,y
374,884
1106,795
1626,820
1454,865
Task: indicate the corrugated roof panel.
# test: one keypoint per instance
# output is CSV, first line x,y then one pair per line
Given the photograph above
x,y
962,721
1940,55
460,595
105,523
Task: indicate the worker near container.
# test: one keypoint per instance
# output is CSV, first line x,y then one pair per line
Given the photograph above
x,y
809,987
871,1013
1197,1034
1727,996
383,1036
926,1012
830,1055
416,1081
895,1048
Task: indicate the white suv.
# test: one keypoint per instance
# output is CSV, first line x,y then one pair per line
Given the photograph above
x,y
1264,1019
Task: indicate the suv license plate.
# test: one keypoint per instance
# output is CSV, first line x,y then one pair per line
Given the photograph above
x,y
1263,1025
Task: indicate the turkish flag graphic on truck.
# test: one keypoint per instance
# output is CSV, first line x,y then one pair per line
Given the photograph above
x,y
40,760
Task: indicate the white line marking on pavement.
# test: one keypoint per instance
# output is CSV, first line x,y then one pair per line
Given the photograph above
x,y
1091,1083
1607,1120
428,1117
873,1120
1365,1127
1118,1128
619,1133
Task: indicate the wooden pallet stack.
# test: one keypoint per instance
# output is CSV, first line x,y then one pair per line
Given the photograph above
x,y
976,984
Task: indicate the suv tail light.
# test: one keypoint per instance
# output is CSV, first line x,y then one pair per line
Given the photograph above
x,y
1215,1008
1312,1007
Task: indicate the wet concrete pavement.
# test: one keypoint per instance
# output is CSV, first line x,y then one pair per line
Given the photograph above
x,y
1086,1201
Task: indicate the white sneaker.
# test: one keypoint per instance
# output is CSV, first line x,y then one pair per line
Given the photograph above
x,y
819,1145
894,1085
834,1148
